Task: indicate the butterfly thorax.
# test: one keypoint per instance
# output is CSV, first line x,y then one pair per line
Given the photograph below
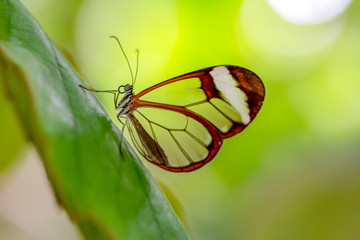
x,y
126,101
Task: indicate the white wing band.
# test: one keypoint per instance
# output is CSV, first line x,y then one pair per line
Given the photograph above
x,y
229,90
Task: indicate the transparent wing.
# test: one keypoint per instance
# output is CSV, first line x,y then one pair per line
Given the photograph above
x,y
173,138
229,97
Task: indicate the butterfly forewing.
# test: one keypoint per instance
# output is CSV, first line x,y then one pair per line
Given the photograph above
x,y
229,97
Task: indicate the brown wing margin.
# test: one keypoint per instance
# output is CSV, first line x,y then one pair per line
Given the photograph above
x,y
248,82
213,148
254,89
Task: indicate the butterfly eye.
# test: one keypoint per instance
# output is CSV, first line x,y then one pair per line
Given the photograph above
x,y
122,89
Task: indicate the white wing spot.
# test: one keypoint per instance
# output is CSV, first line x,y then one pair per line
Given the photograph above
x,y
227,86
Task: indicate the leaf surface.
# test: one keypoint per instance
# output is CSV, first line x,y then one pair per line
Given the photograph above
x,y
109,195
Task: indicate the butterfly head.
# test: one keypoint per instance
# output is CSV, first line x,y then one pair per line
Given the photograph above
x,y
125,89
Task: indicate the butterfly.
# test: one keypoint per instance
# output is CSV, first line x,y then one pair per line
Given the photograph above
x,y
180,124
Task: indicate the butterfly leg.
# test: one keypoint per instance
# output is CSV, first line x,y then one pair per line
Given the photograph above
x,y
122,133
116,97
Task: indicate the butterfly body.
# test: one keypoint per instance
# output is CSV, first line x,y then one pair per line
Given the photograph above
x,y
124,106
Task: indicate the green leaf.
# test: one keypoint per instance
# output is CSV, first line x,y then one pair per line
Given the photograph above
x,y
12,138
108,195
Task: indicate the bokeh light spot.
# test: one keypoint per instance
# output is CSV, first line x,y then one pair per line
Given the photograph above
x,y
309,11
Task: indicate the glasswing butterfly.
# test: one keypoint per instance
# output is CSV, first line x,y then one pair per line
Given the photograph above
x,y
180,124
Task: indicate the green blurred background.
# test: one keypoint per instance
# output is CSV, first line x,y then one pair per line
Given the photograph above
x,y
294,173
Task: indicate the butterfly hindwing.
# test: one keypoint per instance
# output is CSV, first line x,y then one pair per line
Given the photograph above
x,y
173,138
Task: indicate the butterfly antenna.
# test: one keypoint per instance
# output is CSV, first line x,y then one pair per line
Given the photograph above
x,y
137,65
127,60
